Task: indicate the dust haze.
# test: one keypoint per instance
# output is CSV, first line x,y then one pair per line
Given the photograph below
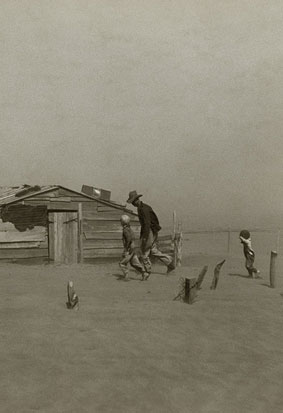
x,y
181,101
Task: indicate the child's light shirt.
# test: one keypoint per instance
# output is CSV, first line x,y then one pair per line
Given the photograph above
x,y
247,245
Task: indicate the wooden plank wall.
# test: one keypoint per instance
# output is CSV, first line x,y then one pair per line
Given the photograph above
x,y
27,244
102,231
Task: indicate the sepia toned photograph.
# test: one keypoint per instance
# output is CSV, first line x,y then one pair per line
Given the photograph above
x,y
141,206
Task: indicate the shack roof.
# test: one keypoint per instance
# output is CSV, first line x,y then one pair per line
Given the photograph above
x,y
13,194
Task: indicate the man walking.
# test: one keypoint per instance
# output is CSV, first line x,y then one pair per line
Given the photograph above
x,y
149,233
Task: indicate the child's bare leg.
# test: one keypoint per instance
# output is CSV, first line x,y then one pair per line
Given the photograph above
x,y
124,265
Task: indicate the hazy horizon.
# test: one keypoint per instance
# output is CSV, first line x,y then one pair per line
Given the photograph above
x,y
181,101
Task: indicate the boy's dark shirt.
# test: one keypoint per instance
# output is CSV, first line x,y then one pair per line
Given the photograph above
x,y
148,220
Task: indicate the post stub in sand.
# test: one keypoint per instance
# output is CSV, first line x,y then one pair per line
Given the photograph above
x,y
190,290
73,299
216,275
272,272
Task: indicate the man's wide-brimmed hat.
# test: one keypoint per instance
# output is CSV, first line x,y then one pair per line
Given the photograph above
x,y
133,195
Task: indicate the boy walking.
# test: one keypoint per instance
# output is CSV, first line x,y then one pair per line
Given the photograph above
x,y
129,254
245,238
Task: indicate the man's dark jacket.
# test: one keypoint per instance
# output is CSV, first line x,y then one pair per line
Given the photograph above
x,y
148,220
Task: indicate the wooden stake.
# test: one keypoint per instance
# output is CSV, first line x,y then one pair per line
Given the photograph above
x,y
201,276
73,299
190,290
272,273
216,275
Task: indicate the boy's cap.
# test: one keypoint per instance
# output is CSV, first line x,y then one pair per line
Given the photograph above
x,y
245,234
133,195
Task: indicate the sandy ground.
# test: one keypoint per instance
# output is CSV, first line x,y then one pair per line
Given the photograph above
x,y
131,348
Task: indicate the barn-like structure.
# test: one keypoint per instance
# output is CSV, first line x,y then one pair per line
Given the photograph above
x,y
60,225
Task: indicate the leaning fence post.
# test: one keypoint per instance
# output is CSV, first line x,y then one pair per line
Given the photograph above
x,y
272,272
216,275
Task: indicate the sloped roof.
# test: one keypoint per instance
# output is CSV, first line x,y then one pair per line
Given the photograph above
x,y
12,194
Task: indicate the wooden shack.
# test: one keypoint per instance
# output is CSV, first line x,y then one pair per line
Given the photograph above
x,y
59,225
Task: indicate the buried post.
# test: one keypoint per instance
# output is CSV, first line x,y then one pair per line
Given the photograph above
x,y
73,299
272,272
216,275
190,290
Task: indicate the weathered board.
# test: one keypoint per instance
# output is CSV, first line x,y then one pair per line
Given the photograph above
x,y
18,253
89,235
103,252
54,205
101,217
26,236
106,243
63,237
23,244
48,194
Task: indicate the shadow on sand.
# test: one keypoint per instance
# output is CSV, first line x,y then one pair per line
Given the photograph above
x,y
120,277
240,275
265,285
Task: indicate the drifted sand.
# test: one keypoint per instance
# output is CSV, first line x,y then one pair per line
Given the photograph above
x,y
131,348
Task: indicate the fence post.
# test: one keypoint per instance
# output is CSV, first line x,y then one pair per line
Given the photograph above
x,y
179,245
272,273
175,252
190,290
216,275
73,299
174,223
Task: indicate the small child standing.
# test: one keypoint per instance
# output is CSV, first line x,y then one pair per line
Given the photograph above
x,y
245,238
129,254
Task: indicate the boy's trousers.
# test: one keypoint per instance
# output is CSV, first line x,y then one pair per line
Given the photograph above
x,y
132,259
250,264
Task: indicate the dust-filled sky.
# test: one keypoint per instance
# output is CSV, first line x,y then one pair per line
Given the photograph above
x,y
181,100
